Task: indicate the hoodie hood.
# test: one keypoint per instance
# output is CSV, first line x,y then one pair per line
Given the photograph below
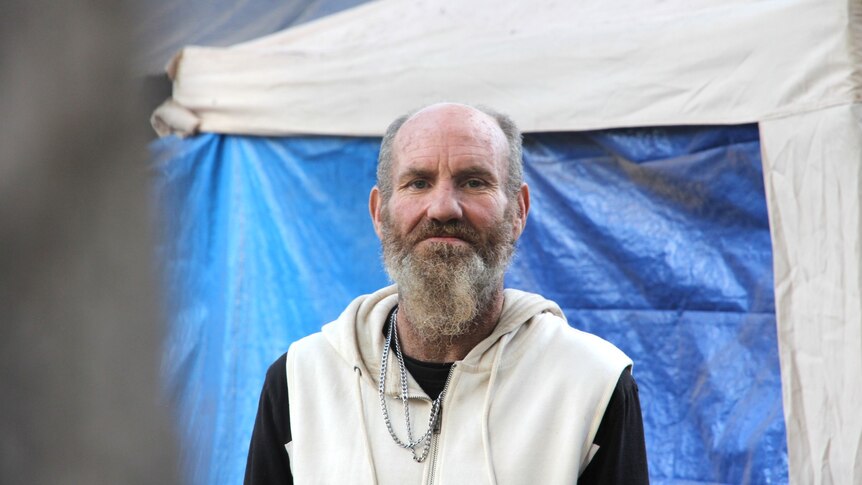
x,y
357,334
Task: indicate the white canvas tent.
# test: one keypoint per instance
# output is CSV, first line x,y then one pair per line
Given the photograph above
x,y
792,66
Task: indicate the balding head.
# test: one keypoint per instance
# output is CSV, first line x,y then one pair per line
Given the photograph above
x,y
442,116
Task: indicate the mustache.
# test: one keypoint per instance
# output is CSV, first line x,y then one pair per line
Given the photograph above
x,y
431,228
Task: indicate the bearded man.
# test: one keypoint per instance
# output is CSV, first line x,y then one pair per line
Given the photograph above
x,y
446,377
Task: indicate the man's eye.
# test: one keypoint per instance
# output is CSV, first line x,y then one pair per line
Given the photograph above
x,y
419,184
474,183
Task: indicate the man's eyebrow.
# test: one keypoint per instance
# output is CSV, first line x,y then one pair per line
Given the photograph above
x,y
475,171
415,172
471,171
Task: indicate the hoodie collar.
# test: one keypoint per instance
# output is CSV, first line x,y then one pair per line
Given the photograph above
x,y
358,337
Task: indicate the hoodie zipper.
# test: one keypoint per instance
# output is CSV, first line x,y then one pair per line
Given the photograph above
x,y
435,435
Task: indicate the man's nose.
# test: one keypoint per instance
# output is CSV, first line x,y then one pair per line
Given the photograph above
x,y
444,205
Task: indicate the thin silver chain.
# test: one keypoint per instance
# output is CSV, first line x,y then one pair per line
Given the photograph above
x,y
425,440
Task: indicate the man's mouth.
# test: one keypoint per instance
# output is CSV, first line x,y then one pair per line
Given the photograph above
x,y
446,240
448,234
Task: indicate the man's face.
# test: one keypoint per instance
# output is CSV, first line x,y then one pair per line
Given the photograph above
x,y
448,229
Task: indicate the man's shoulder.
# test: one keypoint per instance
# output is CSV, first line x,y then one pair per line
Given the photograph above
x,y
313,343
275,382
276,369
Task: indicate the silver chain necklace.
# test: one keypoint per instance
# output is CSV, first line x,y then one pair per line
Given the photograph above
x,y
424,441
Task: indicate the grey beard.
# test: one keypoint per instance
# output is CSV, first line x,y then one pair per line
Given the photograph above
x,y
444,288
444,291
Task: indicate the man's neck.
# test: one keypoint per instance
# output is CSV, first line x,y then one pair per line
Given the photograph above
x,y
449,349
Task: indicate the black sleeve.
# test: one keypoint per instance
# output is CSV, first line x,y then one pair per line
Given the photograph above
x,y
621,458
268,462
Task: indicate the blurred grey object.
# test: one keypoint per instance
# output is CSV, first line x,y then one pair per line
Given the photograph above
x,y
80,326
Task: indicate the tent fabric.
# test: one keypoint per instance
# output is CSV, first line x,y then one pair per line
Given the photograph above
x,y
552,66
814,180
792,66
266,239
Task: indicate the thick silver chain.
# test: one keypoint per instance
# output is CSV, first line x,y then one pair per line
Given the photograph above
x,y
425,440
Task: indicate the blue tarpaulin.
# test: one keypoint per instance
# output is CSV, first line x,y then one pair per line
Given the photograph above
x,y
656,239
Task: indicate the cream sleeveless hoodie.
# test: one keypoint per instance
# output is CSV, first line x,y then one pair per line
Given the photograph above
x,y
522,407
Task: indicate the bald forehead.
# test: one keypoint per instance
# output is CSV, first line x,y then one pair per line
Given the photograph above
x,y
448,125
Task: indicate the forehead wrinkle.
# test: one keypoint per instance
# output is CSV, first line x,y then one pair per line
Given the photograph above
x,y
416,147
460,156
428,131
417,163
472,162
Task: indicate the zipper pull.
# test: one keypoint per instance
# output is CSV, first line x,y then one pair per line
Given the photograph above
x,y
438,420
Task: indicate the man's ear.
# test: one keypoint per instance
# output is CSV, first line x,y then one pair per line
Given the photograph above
x,y
523,209
375,205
